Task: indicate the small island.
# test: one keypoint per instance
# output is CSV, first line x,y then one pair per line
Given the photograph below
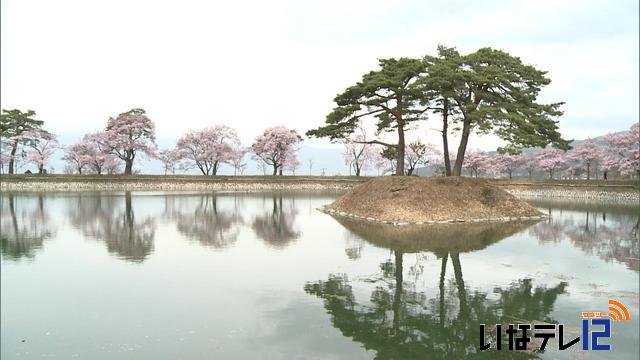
x,y
403,200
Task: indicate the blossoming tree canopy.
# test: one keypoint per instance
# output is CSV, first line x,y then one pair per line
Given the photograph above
x,y
128,134
42,144
169,159
209,147
277,147
623,151
586,156
550,159
358,154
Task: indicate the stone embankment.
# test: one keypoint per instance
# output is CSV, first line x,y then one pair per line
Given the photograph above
x,y
178,184
604,195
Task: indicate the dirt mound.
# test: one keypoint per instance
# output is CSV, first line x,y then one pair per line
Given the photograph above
x,y
415,200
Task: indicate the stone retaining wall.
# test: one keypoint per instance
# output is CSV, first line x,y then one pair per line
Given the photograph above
x,y
572,193
173,185
257,185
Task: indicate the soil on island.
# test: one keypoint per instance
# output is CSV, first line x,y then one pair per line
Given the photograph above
x,y
414,199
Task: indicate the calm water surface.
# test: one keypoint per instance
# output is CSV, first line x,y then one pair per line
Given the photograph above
x,y
247,276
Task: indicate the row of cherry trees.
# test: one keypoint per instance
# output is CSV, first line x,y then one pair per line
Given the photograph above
x,y
206,149
131,135
209,148
618,152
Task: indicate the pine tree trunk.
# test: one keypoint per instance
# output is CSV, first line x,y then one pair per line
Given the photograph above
x,y
12,160
400,150
462,148
445,137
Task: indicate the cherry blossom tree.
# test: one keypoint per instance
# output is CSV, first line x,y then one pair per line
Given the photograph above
x,y
586,156
292,164
237,161
478,162
130,134
529,163
77,155
276,146
623,151
170,159
98,154
210,147
5,153
42,145
508,163
550,159
358,154
417,153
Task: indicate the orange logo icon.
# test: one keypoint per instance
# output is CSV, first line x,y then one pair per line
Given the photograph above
x,y
618,311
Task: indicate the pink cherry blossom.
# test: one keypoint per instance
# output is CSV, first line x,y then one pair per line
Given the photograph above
x,y
358,155
623,151
585,156
550,160
128,135
210,147
478,162
169,159
42,145
237,161
508,163
276,147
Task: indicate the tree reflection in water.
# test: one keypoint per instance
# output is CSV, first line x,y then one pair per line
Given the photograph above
x,y
206,222
102,217
607,231
25,226
277,226
400,322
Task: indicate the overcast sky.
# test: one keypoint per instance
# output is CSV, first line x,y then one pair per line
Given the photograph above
x,y
255,64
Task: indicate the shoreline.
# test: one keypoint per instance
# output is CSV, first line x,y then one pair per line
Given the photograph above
x,y
618,192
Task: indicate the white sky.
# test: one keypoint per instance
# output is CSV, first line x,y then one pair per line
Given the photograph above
x,y
255,64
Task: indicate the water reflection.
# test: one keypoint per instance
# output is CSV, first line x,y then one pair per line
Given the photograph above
x,y
276,226
400,321
205,221
103,217
608,231
25,226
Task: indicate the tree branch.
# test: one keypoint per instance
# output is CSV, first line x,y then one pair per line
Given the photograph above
x,y
376,142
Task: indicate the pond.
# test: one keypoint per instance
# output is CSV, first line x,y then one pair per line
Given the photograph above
x,y
265,275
